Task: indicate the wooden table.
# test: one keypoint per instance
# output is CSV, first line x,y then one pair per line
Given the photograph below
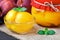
x,y
32,35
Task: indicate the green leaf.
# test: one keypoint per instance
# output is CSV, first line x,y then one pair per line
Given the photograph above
x,y
46,29
14,8
51,32
41,32
23,9
46,32
19,9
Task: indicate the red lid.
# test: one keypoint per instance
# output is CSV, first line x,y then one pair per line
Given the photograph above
x,y
40,4
53,1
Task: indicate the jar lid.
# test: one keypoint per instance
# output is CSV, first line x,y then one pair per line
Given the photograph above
x,y
55,2
39,4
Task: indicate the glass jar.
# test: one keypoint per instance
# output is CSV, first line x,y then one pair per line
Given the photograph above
x,y
20,28
46,12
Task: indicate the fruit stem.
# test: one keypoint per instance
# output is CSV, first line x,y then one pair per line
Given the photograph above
x,y
46,30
